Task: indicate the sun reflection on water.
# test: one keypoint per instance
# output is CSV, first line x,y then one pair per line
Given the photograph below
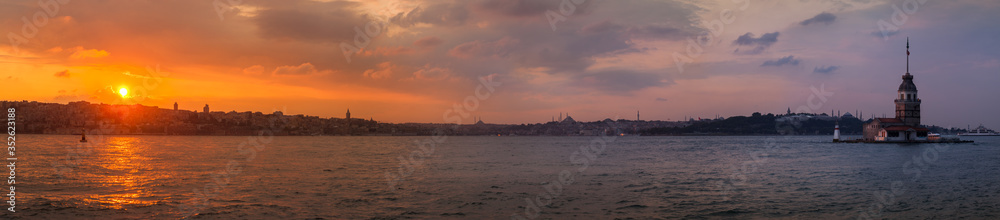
x,y
124,172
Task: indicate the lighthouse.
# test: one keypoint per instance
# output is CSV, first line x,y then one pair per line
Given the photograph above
x,y
836,132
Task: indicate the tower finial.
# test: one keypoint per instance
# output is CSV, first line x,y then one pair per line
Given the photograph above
x,y
907,55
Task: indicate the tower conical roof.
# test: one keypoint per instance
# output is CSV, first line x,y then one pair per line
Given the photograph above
x,y
907,84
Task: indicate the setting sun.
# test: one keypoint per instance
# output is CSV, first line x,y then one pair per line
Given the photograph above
x,y
544,109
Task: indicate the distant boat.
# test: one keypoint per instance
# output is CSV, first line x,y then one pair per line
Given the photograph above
x,y
980,131
933,137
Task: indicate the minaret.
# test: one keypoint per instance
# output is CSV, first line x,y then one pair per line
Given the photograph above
x,y
636,115
175,106
907,104
348,114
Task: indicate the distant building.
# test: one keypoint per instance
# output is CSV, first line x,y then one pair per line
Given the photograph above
x,y
568,120
348,117
847,115
906,125
206,108
175,106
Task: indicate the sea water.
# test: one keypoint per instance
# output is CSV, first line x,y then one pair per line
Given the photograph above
x,y
486,177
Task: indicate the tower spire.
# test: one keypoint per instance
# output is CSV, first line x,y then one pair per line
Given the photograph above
x,y
907,55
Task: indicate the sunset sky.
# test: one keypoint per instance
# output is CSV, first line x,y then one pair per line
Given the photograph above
x,y
605,59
